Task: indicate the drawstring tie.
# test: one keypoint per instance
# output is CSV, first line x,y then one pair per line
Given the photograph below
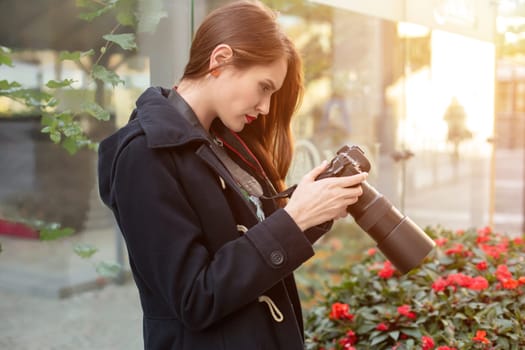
x,y
274,310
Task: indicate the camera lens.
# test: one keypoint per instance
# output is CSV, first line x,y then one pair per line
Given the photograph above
x,y
399,239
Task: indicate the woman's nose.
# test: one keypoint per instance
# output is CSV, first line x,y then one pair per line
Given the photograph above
x,y
263,107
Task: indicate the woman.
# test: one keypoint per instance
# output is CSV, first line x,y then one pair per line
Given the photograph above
x,y
192,181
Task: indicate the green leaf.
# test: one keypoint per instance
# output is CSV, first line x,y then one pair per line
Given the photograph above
x,y
93,146
379,339
71,130
416,333
126,13
149,15
125,40
126,18
5,59
410,344
90,16
95,110
461,316
394,335
366,328
52,102
6,85
53,232
101,73
108,269
94,9
503,325
47,120
70,145
31,98
55,136
75,55
85,250
53,84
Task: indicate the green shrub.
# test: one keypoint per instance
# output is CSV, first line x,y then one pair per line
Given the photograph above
x,y
468,294
343,246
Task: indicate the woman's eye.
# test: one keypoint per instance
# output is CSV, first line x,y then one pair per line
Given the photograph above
x,y
266,88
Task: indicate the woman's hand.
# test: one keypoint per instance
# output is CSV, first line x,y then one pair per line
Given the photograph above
x,y
314,202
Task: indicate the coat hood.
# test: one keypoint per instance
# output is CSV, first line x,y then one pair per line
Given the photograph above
x,y
163,122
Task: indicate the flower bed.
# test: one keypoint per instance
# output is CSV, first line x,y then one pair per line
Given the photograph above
x,y
469,294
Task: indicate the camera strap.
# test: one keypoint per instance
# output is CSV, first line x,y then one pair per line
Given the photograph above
x,y
284,194
248,184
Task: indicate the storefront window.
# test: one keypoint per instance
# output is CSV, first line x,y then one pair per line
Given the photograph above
x,y
386,85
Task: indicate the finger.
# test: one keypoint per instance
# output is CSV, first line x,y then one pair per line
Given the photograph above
x,y
353,192
343,214
352,180
315,172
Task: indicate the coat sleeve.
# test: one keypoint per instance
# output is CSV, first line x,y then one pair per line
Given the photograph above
x,y
165,243
316,232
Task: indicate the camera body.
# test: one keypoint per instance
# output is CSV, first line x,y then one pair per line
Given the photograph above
x,y
399,239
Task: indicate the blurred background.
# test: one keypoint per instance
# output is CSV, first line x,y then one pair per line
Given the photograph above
x,y
432,90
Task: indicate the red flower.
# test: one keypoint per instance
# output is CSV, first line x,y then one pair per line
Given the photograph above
x,y
462,280
481,337
505,277
387,271
481,266
405,311
428,343
340,311
382,327
494,251
484,230
440,284
441,241
510,283
457,249
483,235
445,348
478,283
371,251
348,341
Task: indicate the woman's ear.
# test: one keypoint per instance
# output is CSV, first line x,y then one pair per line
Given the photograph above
x,y
220,55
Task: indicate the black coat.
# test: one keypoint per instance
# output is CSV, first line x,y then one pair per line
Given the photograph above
x,y
205,281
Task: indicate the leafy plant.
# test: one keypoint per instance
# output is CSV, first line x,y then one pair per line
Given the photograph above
x,y
341,247
469,294
63,126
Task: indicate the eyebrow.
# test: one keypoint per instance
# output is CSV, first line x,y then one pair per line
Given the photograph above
x,y
272,85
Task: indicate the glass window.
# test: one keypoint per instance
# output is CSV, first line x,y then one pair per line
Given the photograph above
x,y
410,82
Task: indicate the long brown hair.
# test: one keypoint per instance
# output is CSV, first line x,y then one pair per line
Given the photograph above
x,y
251,30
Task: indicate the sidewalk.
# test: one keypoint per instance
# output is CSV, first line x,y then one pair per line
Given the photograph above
x,y
104,319
51,299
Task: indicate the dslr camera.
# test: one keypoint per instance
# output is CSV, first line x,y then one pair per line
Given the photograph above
x,y
399,239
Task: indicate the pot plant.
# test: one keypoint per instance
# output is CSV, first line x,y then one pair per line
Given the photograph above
x,y
468,294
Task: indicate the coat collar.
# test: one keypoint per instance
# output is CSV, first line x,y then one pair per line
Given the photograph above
x,y
167,120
